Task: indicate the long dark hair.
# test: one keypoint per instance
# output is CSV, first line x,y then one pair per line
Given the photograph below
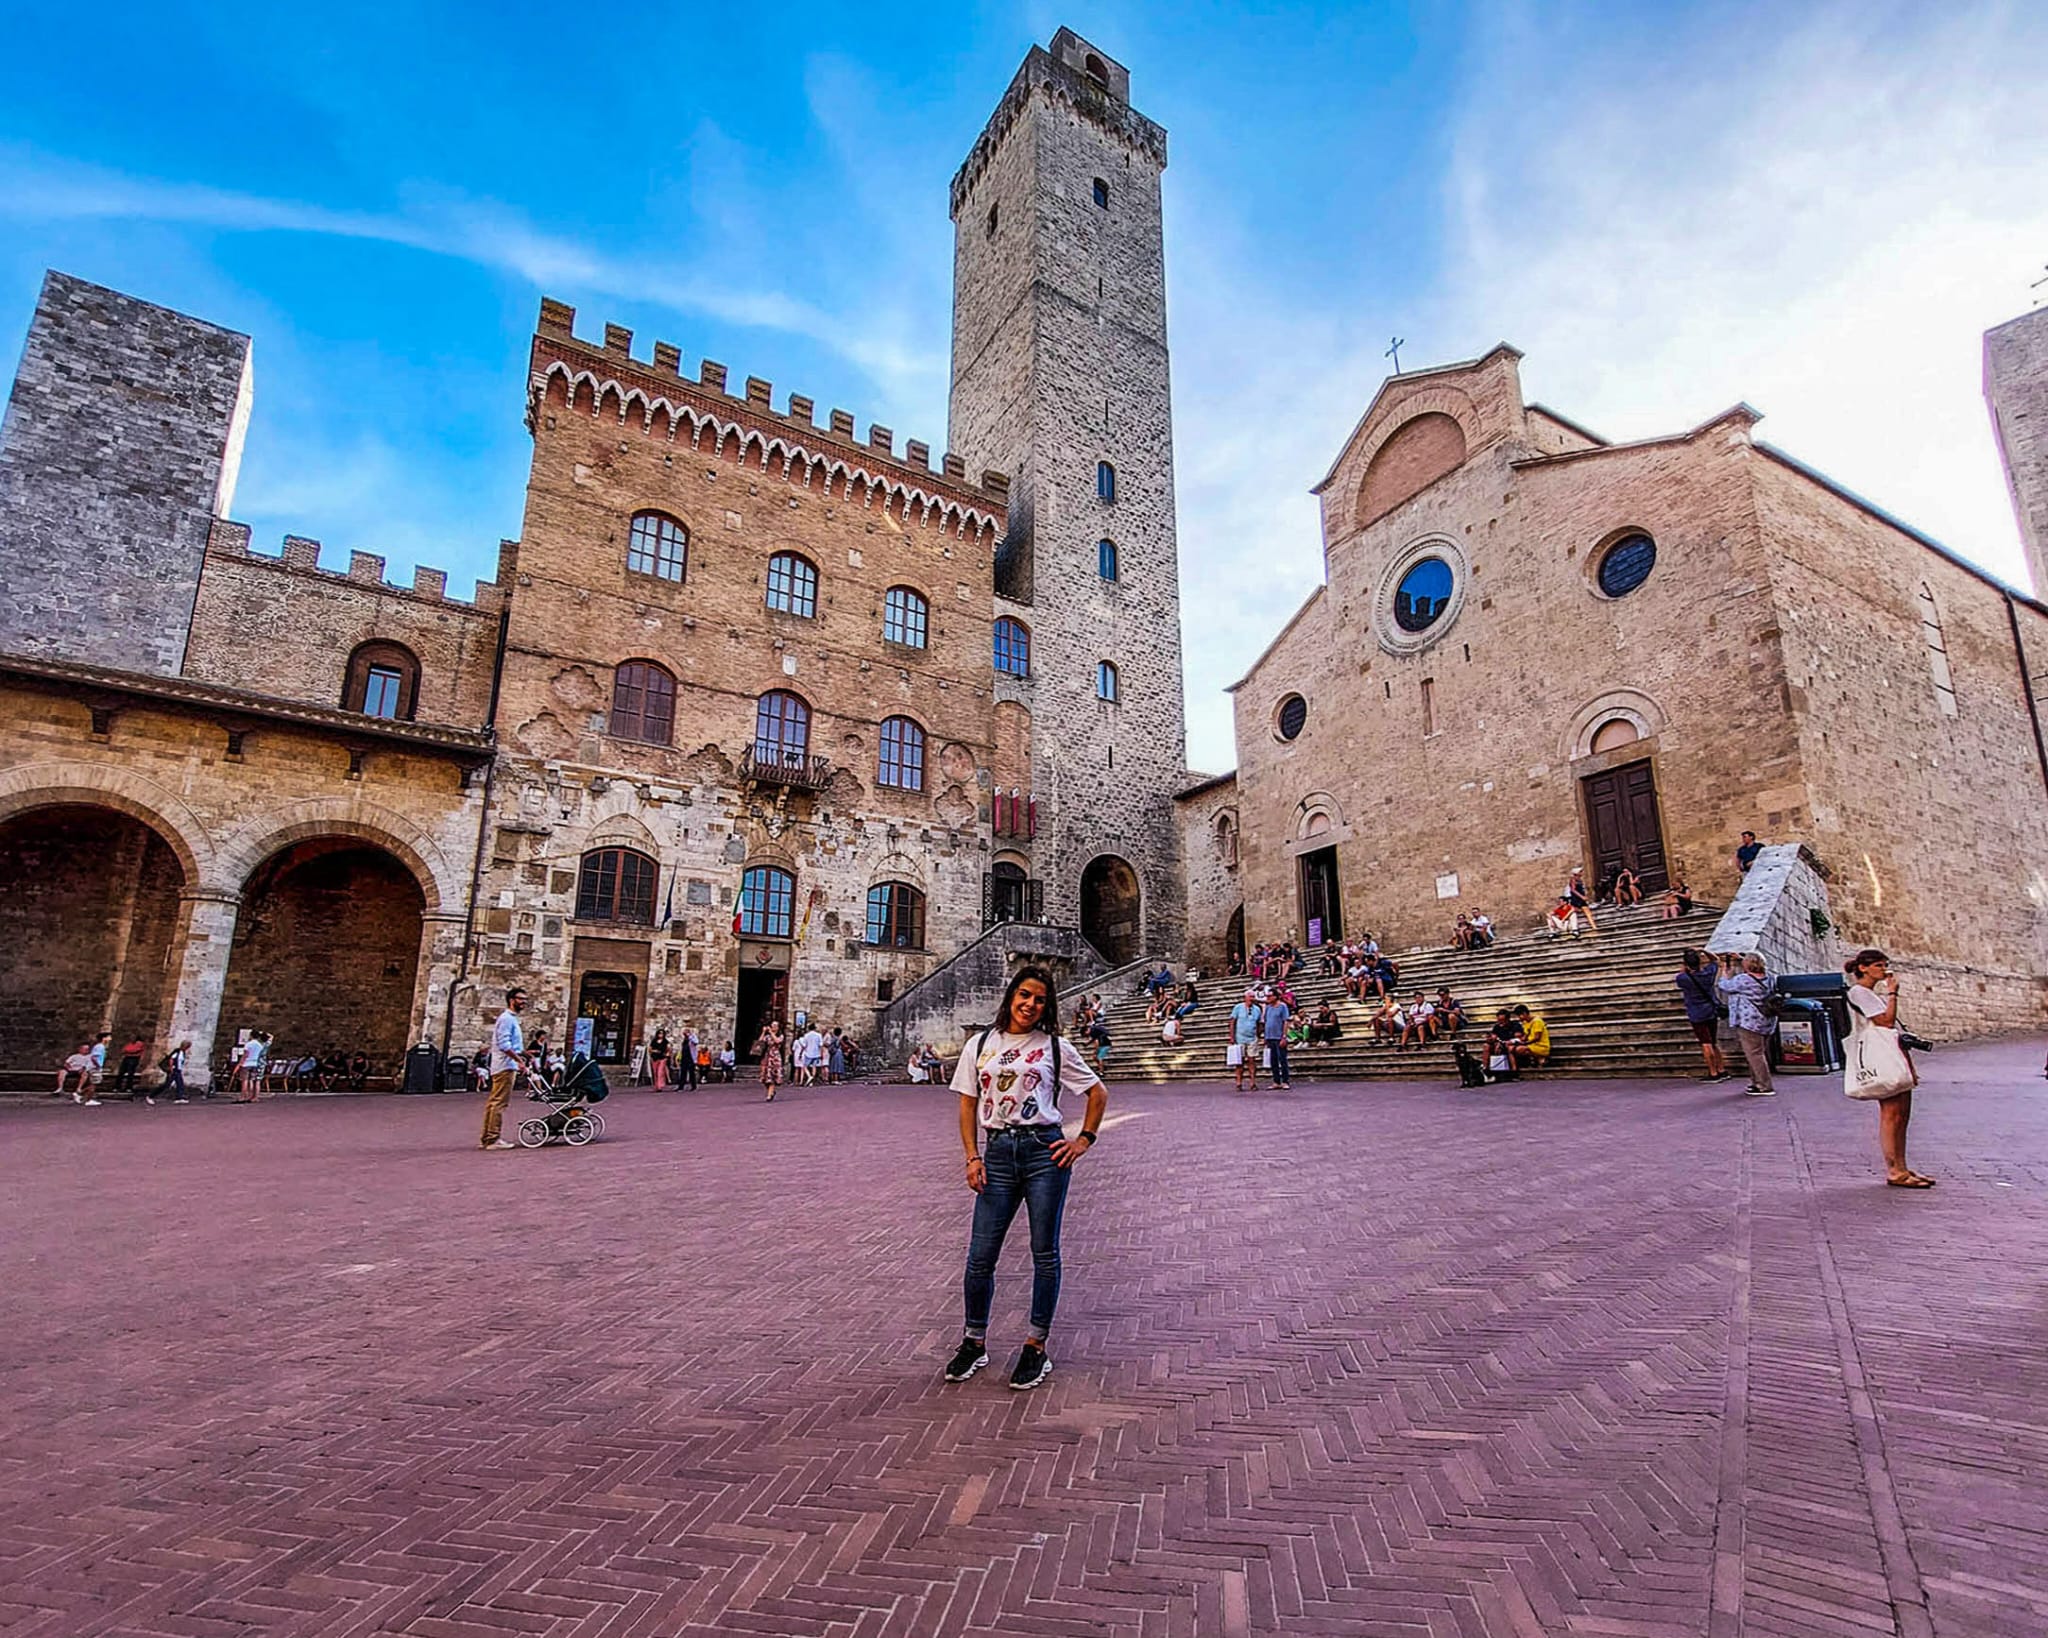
x,y
1864,958
1049,1020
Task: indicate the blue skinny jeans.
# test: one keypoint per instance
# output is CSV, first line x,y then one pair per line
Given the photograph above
x,y
1019,1171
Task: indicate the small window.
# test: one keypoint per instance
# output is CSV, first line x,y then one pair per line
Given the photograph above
x,y
992,221
1013,648
1937,650
381,680
1105,481
1292,717
1105,559
657,545
643,703
1092,66
902,759
767,902
782,729
792,585
1428,706
1101,194
896,916
905,615
1627,564
616,884
1105,681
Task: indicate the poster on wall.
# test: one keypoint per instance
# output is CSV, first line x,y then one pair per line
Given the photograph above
x,y
581,1036
1796,1044
1315,931
1447,885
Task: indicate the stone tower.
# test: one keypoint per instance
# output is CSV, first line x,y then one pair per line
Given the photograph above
x,y
1060,380
2016,384
122,438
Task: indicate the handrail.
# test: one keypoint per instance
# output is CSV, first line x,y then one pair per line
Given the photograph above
x,y
770,764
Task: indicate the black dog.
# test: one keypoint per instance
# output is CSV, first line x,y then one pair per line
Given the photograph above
x,y
1469,1071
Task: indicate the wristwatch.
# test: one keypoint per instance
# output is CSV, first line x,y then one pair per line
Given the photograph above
x,y
1090,1136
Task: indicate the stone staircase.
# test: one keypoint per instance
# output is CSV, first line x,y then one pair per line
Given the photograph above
x,y
1608,998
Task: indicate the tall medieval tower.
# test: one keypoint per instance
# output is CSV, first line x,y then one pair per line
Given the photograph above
x,y
1060,380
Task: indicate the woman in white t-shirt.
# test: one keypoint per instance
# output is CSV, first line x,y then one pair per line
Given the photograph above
x,y
1010,1080
1874,1005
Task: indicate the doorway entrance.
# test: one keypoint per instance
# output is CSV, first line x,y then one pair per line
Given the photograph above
x,y
1109,909
1233,940
1621,818
607,1000
1322,910
764,994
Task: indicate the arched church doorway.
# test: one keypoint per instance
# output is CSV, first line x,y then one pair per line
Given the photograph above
x,y
327,950
1622,823
1109,909
1233,940
88,922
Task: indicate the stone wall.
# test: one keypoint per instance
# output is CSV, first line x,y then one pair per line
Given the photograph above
x,y
961,996
1210,844
121,442
294,625
1773,911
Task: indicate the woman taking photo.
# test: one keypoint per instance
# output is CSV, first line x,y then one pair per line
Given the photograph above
x,y
1879,1067
1010,1080
769,1046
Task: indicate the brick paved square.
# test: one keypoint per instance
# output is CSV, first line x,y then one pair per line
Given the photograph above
x,y
1385,1359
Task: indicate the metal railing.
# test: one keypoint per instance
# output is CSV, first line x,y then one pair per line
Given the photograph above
x,y
767,764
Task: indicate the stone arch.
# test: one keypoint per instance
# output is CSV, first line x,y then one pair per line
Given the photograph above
x,y
616,825
1629,705
1112,906
1227,837
1413,456
368,822
1317,814
92,784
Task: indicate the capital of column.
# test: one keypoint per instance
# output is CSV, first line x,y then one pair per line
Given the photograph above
x,y
209,895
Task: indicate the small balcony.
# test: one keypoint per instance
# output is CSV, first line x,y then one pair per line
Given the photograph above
x,y
766,764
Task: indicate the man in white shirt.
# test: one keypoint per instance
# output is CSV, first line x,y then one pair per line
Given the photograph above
x,y
508,1055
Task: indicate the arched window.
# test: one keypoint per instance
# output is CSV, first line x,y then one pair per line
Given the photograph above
x,y
382,680
657,545
1013,648
1105,681
643,703
1105,481
1105,559
792,585
767,902
615,884
896,916
1094,69
1937,650
1101,194
902,760
782,729
905,616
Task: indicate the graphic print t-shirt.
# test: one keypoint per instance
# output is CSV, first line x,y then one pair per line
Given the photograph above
x,y
1010,1077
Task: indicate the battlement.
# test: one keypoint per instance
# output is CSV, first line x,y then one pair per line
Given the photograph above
x,y
1076,75
230,542
661,383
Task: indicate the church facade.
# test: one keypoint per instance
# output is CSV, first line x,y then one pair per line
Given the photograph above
x,y
1534,649
747,725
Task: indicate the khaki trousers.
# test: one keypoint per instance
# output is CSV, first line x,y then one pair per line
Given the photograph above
x,y
494,1105
1756,1048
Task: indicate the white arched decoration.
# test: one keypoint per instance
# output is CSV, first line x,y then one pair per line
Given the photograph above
x,y
1598,716
1614,733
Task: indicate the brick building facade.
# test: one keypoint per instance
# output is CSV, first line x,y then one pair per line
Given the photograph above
x,y
1535,649
742,728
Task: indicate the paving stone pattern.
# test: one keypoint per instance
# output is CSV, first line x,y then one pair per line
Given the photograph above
x,y
1390,1360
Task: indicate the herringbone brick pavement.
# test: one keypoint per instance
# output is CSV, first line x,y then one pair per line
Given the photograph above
x,y
1387,1360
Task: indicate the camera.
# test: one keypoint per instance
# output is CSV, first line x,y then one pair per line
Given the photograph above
x,y
1914,1043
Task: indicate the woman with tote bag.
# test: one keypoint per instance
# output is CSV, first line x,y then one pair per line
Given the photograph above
x,y
1878,1066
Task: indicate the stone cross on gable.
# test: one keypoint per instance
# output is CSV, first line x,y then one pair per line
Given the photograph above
x,y
1394,352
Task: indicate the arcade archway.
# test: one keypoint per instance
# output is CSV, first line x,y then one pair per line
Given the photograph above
x,y
1109,909
327,951
89,922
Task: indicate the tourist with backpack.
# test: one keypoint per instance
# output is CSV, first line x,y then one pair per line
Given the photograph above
x,y
1010,1080
1749,1001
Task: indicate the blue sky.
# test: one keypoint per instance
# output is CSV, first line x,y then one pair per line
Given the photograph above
x,y
1817,209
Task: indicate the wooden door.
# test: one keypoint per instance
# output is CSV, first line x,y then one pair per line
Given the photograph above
x,y
1621,814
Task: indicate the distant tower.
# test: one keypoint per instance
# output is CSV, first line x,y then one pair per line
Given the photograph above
x,y
2016,383
120,447
1060,380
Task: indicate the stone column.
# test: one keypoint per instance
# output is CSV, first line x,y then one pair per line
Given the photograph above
x,y
440,960
200,953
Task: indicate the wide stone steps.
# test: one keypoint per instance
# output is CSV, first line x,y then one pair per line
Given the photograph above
x,y
1608,998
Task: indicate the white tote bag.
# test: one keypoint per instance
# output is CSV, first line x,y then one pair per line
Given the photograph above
x,y
1876,1066
1233,1057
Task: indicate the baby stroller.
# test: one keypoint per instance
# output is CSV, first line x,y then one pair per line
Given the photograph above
x,y
570,1116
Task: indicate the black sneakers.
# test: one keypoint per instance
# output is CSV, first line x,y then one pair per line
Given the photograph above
x,y
971,1357
1033,1367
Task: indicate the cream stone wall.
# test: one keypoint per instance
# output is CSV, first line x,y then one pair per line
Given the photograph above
x,y
1210,843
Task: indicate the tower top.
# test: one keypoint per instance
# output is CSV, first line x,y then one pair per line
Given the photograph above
x,y
1079,76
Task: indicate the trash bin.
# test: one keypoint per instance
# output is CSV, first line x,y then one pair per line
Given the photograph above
x,y
455,1073
1810,1032
422,1069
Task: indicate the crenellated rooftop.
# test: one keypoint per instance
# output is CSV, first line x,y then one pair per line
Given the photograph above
x,y
301,555
659,395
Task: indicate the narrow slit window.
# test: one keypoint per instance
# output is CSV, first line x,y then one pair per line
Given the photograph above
x,y
1428,706
1105,481
1937,652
